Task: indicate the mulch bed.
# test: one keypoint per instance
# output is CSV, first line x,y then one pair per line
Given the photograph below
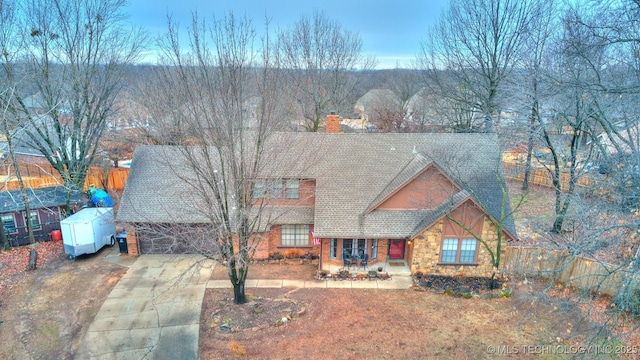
x,y
260,312
270,271
456,285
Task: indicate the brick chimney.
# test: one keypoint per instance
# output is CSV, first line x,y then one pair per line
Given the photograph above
x,y
333,123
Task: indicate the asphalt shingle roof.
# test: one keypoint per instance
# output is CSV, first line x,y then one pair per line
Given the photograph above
x,y
352,173
11,201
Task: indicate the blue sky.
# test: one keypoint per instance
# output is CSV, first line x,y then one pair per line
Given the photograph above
x,y
392,31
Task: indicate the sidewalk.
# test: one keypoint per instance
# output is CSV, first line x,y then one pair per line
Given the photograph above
x,y
397,282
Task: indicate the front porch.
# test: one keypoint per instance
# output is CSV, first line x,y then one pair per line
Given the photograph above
x,y
392,256
391,267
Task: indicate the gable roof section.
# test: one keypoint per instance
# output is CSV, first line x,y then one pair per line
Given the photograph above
x,y
375,98
155,194
353,172
11,201
417,166
456,200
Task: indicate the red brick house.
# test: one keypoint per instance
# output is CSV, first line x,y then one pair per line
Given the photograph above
x,y
389,196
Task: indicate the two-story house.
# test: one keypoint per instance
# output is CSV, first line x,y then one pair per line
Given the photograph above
x,y
412,198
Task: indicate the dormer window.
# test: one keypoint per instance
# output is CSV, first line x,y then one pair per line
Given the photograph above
x,y
293,189
276,189
259,189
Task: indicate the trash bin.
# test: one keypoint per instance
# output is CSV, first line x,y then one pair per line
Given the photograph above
x,y
122,242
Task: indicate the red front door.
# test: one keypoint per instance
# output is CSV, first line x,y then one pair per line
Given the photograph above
x,y
396,249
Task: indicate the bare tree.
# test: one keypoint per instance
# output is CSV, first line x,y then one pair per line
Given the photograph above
x,y
470,52
76,53
223,93
11,118
318,56
615,28
532,83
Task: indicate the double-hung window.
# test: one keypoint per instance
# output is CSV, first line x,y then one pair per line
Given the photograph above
x,y
294,235
374,249
459,251
275,189
333,249
293,189
259,189
9,223
34,218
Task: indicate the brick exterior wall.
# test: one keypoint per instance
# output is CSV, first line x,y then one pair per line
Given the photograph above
x,y
133,245
271,245
427,246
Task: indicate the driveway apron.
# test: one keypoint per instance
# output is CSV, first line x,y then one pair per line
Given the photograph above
x,y
153,312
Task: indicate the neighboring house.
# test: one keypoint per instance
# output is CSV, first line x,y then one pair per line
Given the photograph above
x,y
420,110
23,153
46,208
373,102
627,139
384,195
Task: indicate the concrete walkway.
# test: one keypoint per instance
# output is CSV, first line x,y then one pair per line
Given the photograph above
x,y
153,312
395,283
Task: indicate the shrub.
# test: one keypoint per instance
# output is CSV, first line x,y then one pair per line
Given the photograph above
x,y
506,292
450,292
628,298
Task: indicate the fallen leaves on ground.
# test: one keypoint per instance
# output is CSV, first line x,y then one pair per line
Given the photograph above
x,y
15,261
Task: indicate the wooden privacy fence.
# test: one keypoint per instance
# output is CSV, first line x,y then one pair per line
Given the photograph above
x,y
575,271
541,176
115,180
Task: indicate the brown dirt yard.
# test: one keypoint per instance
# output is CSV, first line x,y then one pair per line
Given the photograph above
x,y
382,324
44,313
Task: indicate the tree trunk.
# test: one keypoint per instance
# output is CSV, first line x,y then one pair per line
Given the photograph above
x,y
532,130
527,164
557,224
23,190
493,283
239,296
4,239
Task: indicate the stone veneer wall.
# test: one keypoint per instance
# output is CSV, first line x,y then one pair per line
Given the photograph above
x,y
428,244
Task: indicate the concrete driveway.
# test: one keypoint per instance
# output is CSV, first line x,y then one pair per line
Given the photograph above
x,y
153,312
